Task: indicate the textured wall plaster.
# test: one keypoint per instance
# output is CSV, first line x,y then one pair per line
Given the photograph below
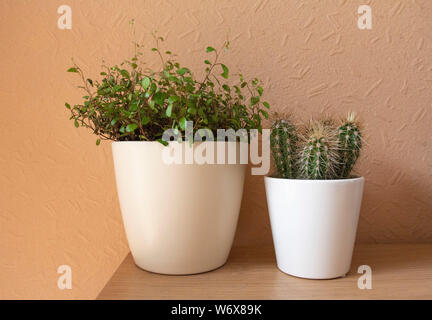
x,y
58,199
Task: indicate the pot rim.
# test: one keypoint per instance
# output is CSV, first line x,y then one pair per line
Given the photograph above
x,y
311,181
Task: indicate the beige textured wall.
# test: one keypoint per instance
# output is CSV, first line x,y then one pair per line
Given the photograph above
x,y
58,202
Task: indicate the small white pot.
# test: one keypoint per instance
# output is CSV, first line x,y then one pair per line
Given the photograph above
x,y
314,224
179,218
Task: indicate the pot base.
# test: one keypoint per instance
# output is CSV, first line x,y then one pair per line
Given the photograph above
x,y
311,277
181,274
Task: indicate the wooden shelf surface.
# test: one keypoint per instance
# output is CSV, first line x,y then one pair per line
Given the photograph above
x,y
399,271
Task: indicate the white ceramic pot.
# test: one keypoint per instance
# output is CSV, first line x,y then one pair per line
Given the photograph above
x,y
314,224
179,218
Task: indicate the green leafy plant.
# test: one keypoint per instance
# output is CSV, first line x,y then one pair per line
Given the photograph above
x,y
321,150
133,103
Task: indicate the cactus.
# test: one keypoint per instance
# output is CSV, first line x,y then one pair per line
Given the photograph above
x,y
350,142
283,142
319,157
323,150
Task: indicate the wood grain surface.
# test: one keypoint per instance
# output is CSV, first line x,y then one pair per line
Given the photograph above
x,y
399,271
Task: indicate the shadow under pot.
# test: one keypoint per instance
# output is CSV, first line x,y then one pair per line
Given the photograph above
x,y
179,218
314,224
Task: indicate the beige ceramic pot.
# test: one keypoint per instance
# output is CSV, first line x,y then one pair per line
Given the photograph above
x,y
179,218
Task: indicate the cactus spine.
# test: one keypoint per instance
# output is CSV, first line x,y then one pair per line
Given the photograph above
x,y
283,142
319,157
349,135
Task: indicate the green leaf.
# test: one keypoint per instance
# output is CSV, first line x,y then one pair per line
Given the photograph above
x,y
182,71
225,71
67,105
173,99
134,106
210,49
165,143
260,90
153,87
72,69
98,142
145,120
159,98
76,123
113,121
131,127
169,110
125,73
201,112
226,88
265,113
117,88
192,111
207,62
145,83
266,104
125,112
182,123
254,100
152,105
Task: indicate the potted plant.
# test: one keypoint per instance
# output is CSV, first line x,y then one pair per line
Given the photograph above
x,y
313,200
179,218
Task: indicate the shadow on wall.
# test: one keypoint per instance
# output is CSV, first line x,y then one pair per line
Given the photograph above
x,y
395,208
254,223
